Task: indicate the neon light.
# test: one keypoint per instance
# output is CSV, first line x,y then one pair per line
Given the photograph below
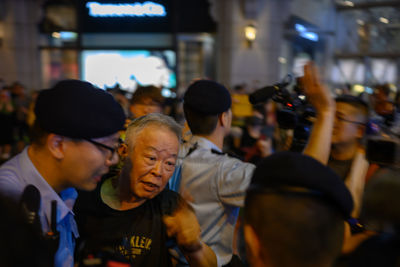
x,y
300,28
68,35
305,34
148,8
310,36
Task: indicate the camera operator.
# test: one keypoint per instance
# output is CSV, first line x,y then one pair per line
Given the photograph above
x,y
253,141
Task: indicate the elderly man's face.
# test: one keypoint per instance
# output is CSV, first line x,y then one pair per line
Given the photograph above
x,y
153,161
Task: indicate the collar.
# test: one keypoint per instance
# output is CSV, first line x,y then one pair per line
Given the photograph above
x,y
65,200
204,143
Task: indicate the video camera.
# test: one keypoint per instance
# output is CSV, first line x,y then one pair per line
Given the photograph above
x,y
383,148
294,111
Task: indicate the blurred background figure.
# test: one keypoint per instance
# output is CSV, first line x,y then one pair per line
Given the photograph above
x,y
146,100
253,140
21,103
7,124
121,96
381,216
241,107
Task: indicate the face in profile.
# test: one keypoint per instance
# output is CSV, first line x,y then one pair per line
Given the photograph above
x,y
148,106
347,128
85,162
152,159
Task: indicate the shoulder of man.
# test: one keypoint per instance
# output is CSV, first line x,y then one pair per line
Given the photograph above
x,y
11,180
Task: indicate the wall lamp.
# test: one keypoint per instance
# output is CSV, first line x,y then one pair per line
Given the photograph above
x,y
250,32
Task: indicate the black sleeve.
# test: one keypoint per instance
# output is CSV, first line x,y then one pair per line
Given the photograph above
x,y
169,201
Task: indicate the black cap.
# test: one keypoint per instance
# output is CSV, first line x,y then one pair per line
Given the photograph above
x,y
298,173
207,97
77,109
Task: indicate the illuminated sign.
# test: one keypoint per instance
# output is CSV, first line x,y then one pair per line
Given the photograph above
x,y
306,34
149,9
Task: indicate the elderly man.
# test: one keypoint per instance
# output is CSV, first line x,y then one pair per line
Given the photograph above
x,y
132,214
295,212
74,143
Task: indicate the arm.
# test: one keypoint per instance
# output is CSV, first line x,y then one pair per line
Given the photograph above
x,y
320,97
184,227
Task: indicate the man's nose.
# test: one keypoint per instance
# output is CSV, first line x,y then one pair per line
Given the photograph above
x,y
113,159
157,169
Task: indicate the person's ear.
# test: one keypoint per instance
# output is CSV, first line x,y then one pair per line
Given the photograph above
x,y
123,150
253,245
56,145
360,131
224,119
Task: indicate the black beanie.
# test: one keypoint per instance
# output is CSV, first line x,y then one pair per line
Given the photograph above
x,y
77,109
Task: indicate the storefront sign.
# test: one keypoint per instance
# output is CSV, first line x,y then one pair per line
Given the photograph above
x,y
136,9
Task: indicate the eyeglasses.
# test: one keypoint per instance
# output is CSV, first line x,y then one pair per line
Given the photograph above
x,y
111,149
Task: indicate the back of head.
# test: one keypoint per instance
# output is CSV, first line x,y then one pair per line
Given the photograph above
x,y
76,109
297,207
381,203
204,100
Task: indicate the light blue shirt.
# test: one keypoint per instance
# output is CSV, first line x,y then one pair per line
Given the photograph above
x,y
217,184
19,172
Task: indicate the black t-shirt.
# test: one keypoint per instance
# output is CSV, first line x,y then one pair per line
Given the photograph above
x,y
139,234
341,167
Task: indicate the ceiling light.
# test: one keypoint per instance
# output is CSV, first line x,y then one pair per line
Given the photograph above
x,y
56,35
360,22
384,20
348,3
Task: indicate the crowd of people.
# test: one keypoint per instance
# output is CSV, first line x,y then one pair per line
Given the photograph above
x,y
104,179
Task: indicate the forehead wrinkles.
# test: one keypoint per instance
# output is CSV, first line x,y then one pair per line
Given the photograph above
x,y
165,151
157,139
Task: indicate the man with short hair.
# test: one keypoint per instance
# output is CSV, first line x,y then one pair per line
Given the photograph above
x,y
347,156
146,100
216,183
74,143
131,215
295,212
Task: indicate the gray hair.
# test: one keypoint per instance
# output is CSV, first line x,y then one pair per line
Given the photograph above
x,y
152,119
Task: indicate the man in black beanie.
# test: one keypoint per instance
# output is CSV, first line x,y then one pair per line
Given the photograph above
x,y
74,142
295,212
217,183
